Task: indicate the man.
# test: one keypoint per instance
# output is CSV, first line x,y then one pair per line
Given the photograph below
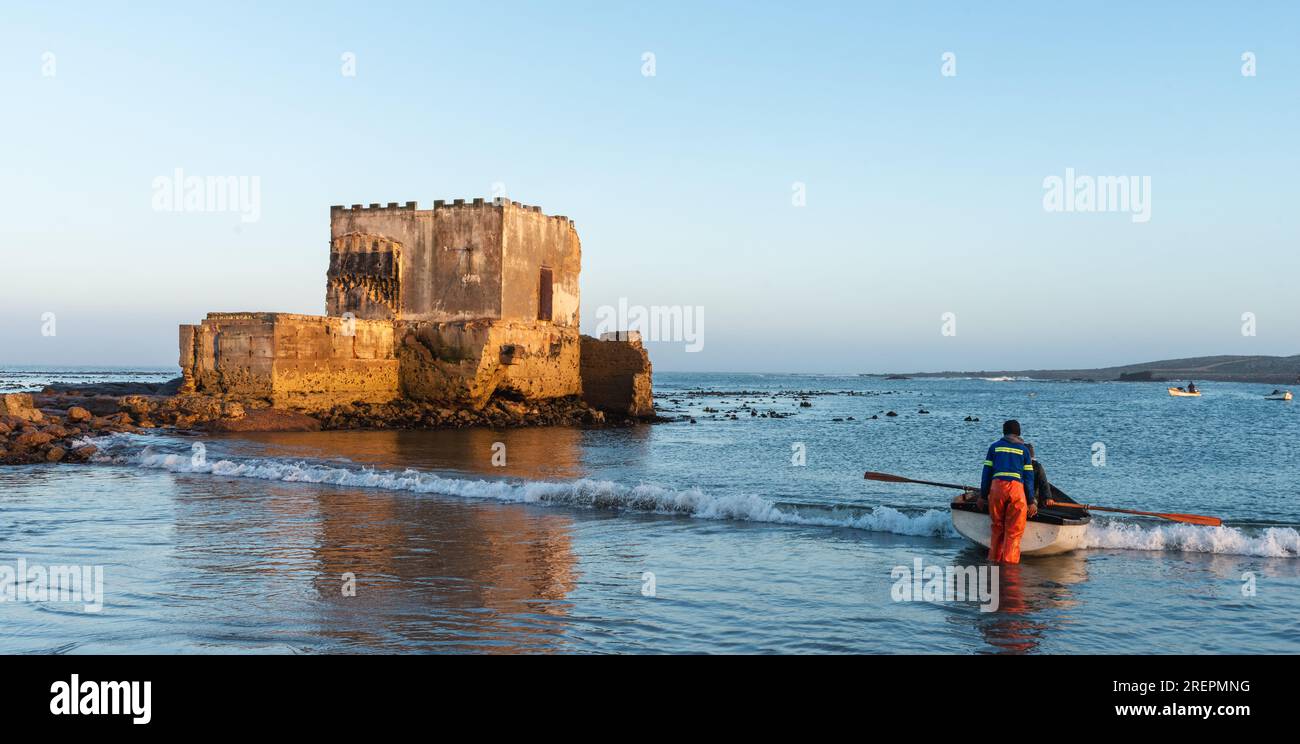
x,y
1191,386
1008,489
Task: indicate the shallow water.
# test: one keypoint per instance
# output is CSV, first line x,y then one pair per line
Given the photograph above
x,y
247,547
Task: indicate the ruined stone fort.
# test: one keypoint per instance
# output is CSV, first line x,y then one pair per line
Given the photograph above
x,y
457,304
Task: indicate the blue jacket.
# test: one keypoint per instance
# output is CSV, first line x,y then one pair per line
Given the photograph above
x,y
1009,461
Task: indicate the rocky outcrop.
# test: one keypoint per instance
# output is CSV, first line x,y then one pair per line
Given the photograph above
x,y
498,412
51,437
265,419
468,362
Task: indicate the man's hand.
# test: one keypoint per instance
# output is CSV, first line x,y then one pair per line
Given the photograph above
x,y
1033,508
982,504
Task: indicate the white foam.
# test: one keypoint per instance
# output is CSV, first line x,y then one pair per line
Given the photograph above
x,y
584,493
1273,542
1277,542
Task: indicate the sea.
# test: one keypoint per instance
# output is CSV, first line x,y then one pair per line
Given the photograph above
x,y
742,524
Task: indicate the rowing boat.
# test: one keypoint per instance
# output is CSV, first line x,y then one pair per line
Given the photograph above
x,y
1180,393
1286,395
1052,530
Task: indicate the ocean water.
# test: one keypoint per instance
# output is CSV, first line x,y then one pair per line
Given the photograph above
x,y
678,537
31,378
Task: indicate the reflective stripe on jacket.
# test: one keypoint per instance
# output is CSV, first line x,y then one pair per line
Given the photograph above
x,y
1010,461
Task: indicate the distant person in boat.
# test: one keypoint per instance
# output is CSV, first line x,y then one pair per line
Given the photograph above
x,y
1191,387
1008,488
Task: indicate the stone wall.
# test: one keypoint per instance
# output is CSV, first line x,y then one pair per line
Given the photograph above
x,y
458,261
302,362
617,375
472,360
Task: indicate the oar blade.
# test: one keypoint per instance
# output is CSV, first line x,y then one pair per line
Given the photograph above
x,y
886,477
1195,519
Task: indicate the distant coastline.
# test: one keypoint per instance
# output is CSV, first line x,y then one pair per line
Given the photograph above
x,y
1271,370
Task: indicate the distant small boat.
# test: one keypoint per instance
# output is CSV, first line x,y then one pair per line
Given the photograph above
x,y
1052,530
1278,395
998,379
1180,393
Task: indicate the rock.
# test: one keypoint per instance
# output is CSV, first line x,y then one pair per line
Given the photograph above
x,y
101,405
891,413
55,454
77,414
5,429
33,439
56,431
84,452
267,419
232,410
19,405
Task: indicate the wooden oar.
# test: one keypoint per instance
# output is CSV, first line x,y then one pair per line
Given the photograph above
x,y
1188,518
887,478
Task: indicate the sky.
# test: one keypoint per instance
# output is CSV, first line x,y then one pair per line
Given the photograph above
x,y
813,185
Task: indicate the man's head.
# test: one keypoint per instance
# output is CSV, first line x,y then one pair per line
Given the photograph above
x,y
1011,428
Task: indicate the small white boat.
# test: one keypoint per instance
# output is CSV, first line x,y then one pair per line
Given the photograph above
x,y
1279,395
1053,530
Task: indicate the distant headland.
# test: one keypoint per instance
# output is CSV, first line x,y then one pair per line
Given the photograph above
x,y
1273,370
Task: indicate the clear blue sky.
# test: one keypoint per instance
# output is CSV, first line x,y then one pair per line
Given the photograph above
x,y
924,192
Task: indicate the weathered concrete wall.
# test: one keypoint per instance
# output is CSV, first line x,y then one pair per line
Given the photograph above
x,y
304,362
617,376
531,241
469,361
449,261
458,261
364,277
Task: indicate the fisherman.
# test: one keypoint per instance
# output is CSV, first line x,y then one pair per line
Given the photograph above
x,y
1191,386
1008,489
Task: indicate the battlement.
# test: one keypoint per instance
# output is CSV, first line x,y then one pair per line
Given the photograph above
x,y
411,206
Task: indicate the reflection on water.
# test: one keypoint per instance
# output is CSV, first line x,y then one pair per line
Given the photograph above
x,y
1031,597
383,572
541,453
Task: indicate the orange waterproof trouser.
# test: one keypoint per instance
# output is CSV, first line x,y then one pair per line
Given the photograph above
x,y
1007,511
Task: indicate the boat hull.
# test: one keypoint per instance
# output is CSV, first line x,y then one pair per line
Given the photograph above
x,y
1283,396
1040,538
1175,392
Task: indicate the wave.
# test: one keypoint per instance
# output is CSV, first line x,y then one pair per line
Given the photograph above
x,y
584,493
1272,542
121,449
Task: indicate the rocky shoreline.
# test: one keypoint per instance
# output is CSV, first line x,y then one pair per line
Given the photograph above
x,y
51,426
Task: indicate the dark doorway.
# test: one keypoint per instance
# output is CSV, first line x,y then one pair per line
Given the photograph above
x,y
544,291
